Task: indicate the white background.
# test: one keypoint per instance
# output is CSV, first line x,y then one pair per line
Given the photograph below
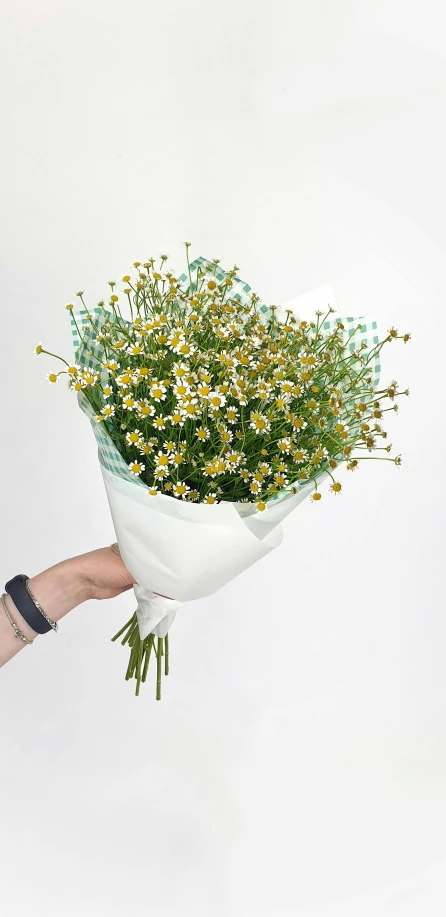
x,y
297,762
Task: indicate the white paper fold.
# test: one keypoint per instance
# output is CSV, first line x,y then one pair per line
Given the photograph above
x,y
188,550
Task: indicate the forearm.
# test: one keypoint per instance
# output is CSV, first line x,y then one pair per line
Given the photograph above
x,y
58,590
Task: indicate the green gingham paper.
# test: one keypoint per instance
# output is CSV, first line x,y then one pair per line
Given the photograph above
x,y
89,353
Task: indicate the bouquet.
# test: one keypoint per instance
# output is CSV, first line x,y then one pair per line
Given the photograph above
x,y
215,416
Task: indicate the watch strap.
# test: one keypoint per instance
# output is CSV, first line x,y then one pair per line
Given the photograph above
x,y
33,616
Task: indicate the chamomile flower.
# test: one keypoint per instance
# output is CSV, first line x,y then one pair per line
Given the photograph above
x,y
136,468
90,377
107,391
255,487
124,380
181,388
282,402
286,387
158,391
259,423
280,480
161,472
159,422
73,370
262,506
52,377
134,349
204,390
299,423
180,489
177,419
108,410
111,365
184,348
216,400
38,349
176,458
128,403
161,460
210,498
285,444
232,415
202,433
134,438
145,448
153,491
144,408
175,338
189,409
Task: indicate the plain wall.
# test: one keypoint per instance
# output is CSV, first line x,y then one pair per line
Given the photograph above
x,y
297,762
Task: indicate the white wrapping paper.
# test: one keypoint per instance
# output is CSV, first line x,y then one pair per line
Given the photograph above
x,y
188,550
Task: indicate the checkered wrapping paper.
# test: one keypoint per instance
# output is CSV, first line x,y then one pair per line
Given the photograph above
x,y
89,353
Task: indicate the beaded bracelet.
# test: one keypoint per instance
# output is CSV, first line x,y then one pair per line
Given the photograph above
x,y
17,631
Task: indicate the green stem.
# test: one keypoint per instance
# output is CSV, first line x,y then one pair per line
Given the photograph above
x,y
149,646
159,653
166,654
49,354
129,622
129,634
138,666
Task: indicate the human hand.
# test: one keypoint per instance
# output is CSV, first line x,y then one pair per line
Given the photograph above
x,y
105,573
107,576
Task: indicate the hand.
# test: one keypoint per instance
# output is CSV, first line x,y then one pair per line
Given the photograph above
x,y
105,573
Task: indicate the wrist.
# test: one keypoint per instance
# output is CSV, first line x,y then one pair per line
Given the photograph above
x,y
61,588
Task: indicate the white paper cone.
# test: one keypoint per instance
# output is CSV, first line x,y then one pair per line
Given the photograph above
x,y
188,550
